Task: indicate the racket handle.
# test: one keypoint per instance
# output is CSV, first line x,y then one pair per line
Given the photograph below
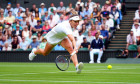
x,y
73,53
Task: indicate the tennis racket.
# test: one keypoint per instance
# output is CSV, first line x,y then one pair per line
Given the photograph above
x,y
62,61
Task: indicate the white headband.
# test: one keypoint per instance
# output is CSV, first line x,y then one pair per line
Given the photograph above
x,y
75,18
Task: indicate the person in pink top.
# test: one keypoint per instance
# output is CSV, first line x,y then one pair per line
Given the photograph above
x,y
46,27
93,30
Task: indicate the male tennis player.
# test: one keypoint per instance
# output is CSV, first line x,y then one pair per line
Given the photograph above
x,y
62,34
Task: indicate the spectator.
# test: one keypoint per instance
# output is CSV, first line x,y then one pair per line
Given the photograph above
x,y
1,35
61,19
90,4
42,10
8,8
135,20
2,18
90,37
15,42
110,23
19,17
23,22
84,30
136,32
10,19
104,13
106,7
23,45
56,16
131,39
37,16
17,22
39,37
43,43
17,8
46,28
45,17
80,37
86,12
61,8
34,43
32,21
6,47
115,15
85,44
2,42
17,31
138,54
105,35
59,47
95,14
93,30
25,32
29,26
29,39
38,27
78,44
69,8
96,47
33,8
52,21
51,8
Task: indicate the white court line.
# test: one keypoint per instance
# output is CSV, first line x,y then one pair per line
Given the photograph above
x,y
65,81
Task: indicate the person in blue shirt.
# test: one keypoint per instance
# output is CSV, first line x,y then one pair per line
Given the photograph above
x,y
87,12
105,35
38,27
59,47
96,47
34,43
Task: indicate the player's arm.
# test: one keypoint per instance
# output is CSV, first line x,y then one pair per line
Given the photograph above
x,y
70,36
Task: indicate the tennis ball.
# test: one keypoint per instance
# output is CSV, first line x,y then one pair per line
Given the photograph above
x,y
109,67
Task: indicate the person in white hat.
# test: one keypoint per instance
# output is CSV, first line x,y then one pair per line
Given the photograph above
x,y
42,10
61,34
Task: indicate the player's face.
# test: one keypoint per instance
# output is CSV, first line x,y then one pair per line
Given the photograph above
x,y
75,24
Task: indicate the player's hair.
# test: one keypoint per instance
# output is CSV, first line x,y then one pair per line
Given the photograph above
x,y
74,13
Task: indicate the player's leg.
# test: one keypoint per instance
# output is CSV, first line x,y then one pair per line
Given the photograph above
x,y
68,46
66,43
44,52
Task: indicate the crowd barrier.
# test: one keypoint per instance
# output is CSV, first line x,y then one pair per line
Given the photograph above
x,y
83,56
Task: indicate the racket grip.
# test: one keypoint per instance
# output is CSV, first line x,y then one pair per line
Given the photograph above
x,y
73,53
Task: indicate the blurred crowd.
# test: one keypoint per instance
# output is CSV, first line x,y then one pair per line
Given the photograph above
x,y
133,39
23,28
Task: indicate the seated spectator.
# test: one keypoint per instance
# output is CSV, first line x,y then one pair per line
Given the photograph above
x,y
37,16
38,27
85,43
34,43
78,44
15,42
33,8
61,8
17,22
106,7
23,45
61,19
6,47
80,37
84,30
105,35
52,7
69,8
45,17
2,42
46,28
93,30
25,32
110,23
19,17
115,15
131,39
86,12
42,10
32,21
59,47
138,54
2,18
135,20
17,31
104,13
10,18
56,16
136,32
95,14
43,43
119,7
96,47
52,21
17,8
90,37
23,22
39,37
90,4
29,39
8,8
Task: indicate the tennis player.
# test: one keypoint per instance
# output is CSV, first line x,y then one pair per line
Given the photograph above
x,y
62,34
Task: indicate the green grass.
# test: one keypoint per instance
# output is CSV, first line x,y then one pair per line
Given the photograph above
x,y
47,73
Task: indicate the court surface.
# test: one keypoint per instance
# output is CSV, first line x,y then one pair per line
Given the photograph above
x,y
47,73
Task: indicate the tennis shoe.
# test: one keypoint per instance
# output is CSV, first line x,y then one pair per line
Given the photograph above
x,y
32,55
79,67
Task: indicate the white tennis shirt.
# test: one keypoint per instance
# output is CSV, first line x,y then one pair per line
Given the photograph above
x,y
59,32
